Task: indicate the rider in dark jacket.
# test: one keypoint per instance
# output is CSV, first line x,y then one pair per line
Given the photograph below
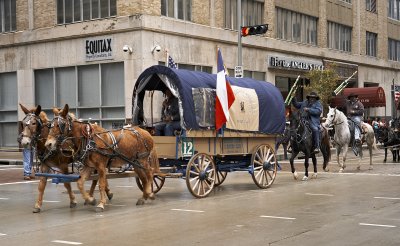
x,y
355,111
313,107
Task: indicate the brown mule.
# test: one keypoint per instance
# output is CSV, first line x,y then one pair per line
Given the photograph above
x,y
34,133
100,149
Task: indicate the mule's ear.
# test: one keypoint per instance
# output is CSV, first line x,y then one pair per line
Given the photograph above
x,y
26,111
38,110
56,111
64,112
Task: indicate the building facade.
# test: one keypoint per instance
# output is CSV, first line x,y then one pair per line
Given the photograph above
x,y
88,53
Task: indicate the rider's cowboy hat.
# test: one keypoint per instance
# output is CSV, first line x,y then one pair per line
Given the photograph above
x,y
312,94
352,95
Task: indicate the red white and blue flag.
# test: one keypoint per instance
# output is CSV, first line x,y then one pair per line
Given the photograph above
x,y
225,96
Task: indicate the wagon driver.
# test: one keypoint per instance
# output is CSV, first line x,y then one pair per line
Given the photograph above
x,y
355,111
170,117
313,107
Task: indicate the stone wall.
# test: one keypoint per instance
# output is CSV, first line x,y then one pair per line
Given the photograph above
x,y
44,14
22,15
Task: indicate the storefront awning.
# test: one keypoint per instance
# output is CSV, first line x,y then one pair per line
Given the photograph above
x,y
369,96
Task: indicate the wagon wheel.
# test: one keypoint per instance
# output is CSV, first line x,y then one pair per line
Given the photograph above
x,y
200,175
264,166
156,186
220,177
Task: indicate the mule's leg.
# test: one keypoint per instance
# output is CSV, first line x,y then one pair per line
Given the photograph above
x,y
41,188
291,160
306,165
314,161
93,187
86,171
285,147
340,164
102,188
108,191
72,200
143,178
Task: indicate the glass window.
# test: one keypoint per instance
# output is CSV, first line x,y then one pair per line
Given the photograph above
x,y
8,110
296,27
44,88
394,50
92,91
394,9
69,11
339,36
370,5
371,43
180,9
8,14
347,1
252,13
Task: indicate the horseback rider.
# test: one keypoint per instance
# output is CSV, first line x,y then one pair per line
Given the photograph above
x,y
313,107
355,111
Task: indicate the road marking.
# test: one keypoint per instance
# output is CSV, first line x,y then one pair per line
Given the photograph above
x,y
315,194
2,234
276,217
388,198
187,210
116,205
13,168
4,198
50,201
124,186
359,174
66,242
378,225
22,182
263,191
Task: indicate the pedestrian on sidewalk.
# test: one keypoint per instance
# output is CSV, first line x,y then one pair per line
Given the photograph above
x,y
27,154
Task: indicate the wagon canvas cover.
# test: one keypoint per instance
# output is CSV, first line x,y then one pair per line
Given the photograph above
x,y
259,96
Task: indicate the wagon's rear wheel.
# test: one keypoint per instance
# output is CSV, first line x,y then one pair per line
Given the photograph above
x,y
200,175
264,166
220,177
158,183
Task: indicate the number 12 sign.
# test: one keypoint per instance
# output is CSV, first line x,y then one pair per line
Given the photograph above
x,y
187,147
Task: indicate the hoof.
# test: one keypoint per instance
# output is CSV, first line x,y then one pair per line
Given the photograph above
x,y
340,170
72,204
152,196
99,209
110,195
370,168
326,170
36,210
305,178
295,176
140,202
90,202
314,175
358,168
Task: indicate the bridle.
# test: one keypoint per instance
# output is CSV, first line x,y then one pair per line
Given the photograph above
x,y
27,121
65,126
334,118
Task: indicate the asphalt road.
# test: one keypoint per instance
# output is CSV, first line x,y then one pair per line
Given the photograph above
x,y
353,208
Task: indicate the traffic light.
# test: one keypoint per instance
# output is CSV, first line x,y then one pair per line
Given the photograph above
x,y
254,30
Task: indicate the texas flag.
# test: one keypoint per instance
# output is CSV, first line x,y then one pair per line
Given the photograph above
x,y
225,96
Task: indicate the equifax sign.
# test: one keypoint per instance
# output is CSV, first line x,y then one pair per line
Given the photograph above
x,y
99,48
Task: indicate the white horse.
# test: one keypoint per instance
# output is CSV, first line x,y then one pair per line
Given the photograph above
x,y
342,137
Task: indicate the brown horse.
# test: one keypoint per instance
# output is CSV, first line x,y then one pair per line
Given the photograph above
x,y
100,149
34,134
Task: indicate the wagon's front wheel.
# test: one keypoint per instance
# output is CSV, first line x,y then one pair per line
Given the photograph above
x,y
264,166
200,175
158,183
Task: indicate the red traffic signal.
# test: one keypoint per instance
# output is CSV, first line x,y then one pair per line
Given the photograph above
x,y
254,30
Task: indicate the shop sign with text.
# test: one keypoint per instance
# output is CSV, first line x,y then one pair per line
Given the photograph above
x,y
281,62
99,48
